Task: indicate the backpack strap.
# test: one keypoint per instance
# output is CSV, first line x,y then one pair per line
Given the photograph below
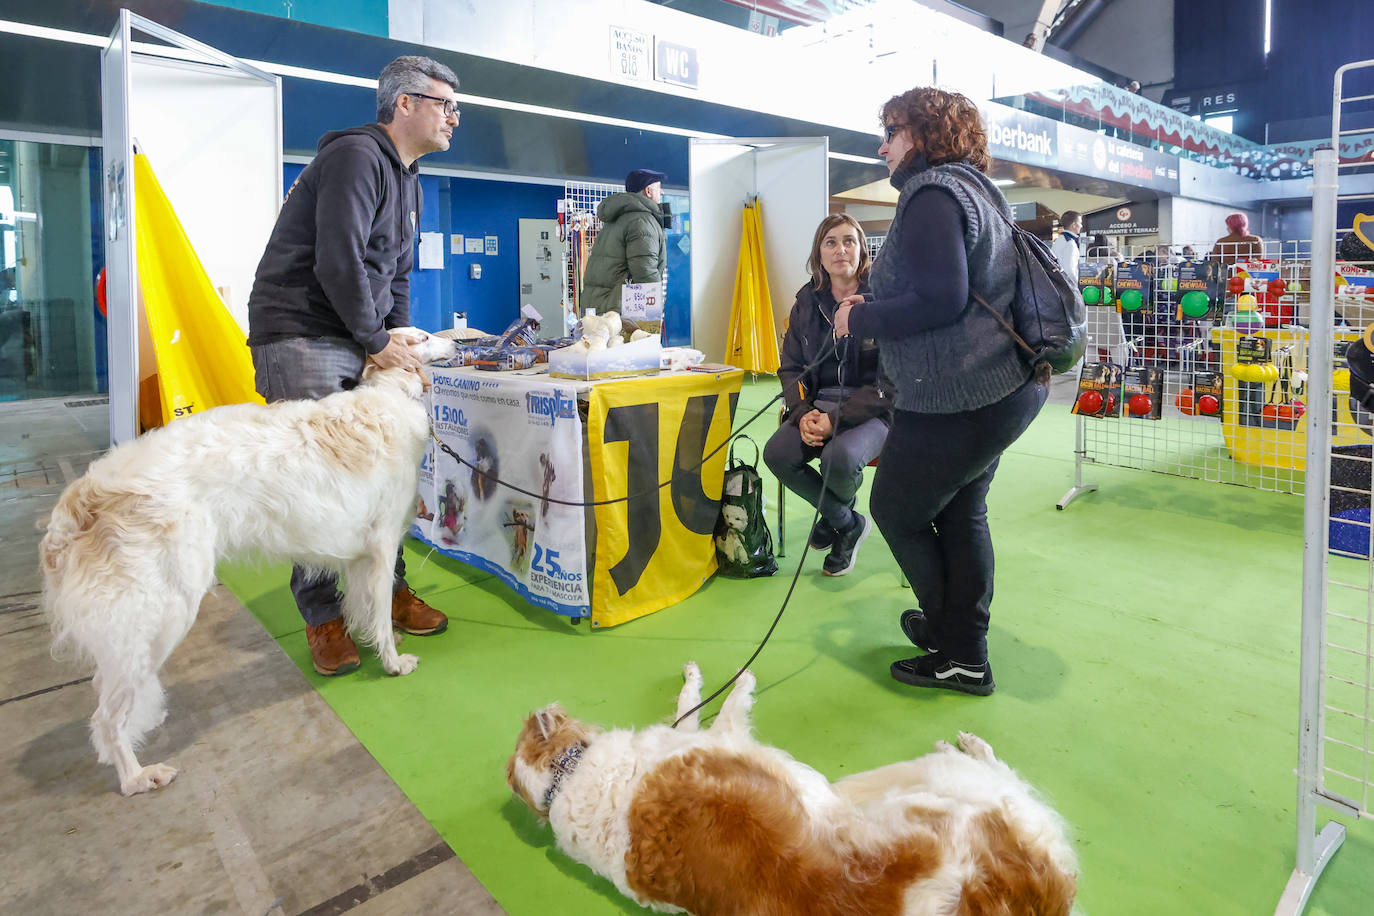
x,y
984,194
980,300
1004,323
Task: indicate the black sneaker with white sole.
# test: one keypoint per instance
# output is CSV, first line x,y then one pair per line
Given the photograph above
x,y
917,630
846,547
935,670
822,535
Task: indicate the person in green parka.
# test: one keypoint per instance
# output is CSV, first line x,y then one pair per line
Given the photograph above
x,y
631,246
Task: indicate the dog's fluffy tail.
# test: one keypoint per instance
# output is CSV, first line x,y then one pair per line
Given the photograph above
x,y
70,517
82,541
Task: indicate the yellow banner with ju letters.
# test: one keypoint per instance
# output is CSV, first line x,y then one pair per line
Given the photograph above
x,y
655,549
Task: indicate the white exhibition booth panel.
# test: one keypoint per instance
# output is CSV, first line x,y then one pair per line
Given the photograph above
x,y
790,177
211,128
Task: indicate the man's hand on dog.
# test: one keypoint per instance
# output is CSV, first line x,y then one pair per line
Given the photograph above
x,y
396,355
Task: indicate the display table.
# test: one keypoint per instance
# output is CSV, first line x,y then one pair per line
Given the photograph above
x,y
580,442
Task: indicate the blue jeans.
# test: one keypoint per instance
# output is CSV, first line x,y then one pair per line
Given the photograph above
x,y
843,459
929,500
313,367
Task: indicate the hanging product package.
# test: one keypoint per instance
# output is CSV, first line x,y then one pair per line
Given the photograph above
x,y
744,545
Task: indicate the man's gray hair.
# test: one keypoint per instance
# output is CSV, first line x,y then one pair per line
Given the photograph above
x,y
408,74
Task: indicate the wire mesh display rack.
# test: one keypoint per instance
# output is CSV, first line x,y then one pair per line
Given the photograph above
x,y
1336,718
578,226
1197,360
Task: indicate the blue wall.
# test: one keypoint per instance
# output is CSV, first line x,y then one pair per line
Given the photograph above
x,y
677,307
473,208
481,208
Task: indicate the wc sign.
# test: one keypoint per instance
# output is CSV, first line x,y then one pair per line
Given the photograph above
x,y
676,64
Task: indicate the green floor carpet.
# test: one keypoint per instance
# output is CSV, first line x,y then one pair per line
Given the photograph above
x,y
1144,642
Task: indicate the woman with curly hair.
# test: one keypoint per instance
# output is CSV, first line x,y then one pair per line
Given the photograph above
x,y
940,284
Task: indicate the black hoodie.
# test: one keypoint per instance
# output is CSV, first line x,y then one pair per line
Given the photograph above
x,y
338,262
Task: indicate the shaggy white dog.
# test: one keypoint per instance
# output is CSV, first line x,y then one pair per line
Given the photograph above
x,y
131,547
712,822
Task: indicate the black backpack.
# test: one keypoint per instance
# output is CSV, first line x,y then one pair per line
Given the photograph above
x,y
1048,317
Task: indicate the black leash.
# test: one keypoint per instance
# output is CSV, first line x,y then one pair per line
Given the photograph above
x,y
620,499
831,348
806,549
776,620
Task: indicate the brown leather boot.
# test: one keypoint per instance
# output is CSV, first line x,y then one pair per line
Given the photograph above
x,y
411,615
331,648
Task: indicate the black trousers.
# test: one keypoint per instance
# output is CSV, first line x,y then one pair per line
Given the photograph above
x,y
929,500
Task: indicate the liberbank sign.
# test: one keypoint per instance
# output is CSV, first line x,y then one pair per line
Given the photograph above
x,y
1016,136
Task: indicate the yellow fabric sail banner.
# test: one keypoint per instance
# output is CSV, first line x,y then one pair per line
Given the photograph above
x,y
203,359
753,337
655,549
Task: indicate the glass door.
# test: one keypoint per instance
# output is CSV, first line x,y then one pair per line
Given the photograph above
x,y
52,337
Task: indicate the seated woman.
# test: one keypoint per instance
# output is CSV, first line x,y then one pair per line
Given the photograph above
x,y
838,404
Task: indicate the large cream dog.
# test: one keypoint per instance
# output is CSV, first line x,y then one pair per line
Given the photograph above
x,y
712,822
131,547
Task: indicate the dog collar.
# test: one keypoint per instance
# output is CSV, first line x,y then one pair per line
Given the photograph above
x,y
563,766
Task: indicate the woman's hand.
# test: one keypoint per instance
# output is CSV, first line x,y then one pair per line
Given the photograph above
x,y
815,428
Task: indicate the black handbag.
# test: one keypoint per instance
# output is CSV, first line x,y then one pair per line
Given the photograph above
x,y
744,545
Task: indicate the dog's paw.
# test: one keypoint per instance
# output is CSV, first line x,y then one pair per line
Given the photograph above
x,y
148,779
691,675
943,747
976,747
746,682
404,665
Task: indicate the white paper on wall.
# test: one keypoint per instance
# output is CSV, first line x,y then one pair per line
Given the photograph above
x,y
431,251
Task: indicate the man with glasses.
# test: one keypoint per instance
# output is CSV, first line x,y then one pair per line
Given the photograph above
x,y
334,277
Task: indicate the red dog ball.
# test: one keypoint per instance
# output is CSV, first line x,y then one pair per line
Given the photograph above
x,y
1184,401
1235,286
1140,404
1111,401
1277,287
1293,410
1207,405
1089,402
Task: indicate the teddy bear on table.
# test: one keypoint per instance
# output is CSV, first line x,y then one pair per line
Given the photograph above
x,y
600,332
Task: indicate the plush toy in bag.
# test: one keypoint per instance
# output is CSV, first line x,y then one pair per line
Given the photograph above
x,y
744,545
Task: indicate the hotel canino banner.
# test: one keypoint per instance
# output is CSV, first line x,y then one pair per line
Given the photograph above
x,y
524,432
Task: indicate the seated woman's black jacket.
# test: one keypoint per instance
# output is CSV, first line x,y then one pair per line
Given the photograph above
x,y
852,364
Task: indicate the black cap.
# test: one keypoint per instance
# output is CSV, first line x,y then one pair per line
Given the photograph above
x,y
640,179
